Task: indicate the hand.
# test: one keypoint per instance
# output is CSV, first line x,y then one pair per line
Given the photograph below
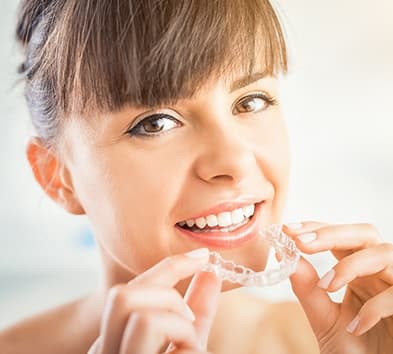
x,y
147,314
363,322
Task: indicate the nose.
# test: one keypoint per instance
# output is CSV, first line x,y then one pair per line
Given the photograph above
x,y
227,156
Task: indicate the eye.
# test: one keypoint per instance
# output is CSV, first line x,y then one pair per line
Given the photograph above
x,y
154,125
254,103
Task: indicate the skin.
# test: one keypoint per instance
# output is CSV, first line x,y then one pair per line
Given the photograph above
x,y
130,186
134,190
365,266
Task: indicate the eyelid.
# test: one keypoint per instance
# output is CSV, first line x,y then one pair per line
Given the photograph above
x,y
256,93
177,115
148,114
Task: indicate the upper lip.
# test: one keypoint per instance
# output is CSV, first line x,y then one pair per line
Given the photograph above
x,y
226,206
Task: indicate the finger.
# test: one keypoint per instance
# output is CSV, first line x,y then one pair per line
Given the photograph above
x,y
95,348
186,351
375,309
202,296
293,229
341,239
321,311
147,332
122,300
360,264
171,270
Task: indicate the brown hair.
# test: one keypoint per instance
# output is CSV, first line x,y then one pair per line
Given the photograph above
x,y
94,56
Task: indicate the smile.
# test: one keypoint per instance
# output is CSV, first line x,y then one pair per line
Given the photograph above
x,y
233,219
227,229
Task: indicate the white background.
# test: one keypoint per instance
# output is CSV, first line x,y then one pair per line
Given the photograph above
x,y
338,105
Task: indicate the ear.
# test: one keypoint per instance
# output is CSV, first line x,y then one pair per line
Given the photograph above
x,y
52,175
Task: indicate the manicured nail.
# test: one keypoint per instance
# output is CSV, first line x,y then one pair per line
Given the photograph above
x,y
294,225
325,281
198,253
353,325
307,238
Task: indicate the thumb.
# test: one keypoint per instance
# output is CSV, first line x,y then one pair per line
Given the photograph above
x,y
320,310
202,297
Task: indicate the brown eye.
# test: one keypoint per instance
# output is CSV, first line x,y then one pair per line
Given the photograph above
x,y
153,125
253,103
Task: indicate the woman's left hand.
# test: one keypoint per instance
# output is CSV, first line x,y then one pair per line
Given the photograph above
x,y
363,322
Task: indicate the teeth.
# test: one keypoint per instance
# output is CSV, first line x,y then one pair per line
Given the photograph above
x,y
223,219
212,220
237,216
248,210
201,222
190,223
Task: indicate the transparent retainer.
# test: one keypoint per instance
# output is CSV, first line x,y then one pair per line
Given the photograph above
x,y
286,253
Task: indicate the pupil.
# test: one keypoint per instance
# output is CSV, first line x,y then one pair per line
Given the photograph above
x,y
249,105
154,125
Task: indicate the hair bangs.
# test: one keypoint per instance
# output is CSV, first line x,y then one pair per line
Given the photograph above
x,y
110,54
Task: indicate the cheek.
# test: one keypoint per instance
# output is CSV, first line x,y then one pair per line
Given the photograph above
x,y
272,144
128,197
274,160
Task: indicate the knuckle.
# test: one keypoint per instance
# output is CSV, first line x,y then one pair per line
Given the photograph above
x,y
371,228
172,264
143,320
117,295
386,247
370,310
344,266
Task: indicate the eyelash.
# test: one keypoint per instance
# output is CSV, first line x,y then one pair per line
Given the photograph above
x,y
270,101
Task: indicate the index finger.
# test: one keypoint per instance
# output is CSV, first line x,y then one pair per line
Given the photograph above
x,y
170,270
342,239
202,297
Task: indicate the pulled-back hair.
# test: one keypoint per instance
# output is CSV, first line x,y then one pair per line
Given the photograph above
x,y
96,56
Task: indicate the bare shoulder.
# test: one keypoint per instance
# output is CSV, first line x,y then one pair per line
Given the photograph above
x,y
50,331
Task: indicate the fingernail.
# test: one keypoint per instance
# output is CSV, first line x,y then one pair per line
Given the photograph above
x,y
294,225
353,325
190,314
198,253
307,238
325,281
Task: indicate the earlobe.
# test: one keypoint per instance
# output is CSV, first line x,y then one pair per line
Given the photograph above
x,y
52,175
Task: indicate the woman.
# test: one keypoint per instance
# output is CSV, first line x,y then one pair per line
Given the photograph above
x,y
161,121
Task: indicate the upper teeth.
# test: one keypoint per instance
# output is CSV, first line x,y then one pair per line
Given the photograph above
x,y
223,219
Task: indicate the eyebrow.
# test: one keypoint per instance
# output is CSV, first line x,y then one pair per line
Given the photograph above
x,y
246,80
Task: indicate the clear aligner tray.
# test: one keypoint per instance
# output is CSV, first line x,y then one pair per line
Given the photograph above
x,y
286,252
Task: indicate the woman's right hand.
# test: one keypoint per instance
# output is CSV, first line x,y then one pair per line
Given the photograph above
x,y
146,314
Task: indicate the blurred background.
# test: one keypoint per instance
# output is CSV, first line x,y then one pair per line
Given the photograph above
x,y
338,105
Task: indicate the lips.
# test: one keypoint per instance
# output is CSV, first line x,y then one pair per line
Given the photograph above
x,y
227,206
226,239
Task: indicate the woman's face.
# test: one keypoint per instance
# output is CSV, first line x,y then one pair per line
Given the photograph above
x,y
138,177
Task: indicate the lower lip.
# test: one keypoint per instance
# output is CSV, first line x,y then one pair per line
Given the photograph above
x,y
230,239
